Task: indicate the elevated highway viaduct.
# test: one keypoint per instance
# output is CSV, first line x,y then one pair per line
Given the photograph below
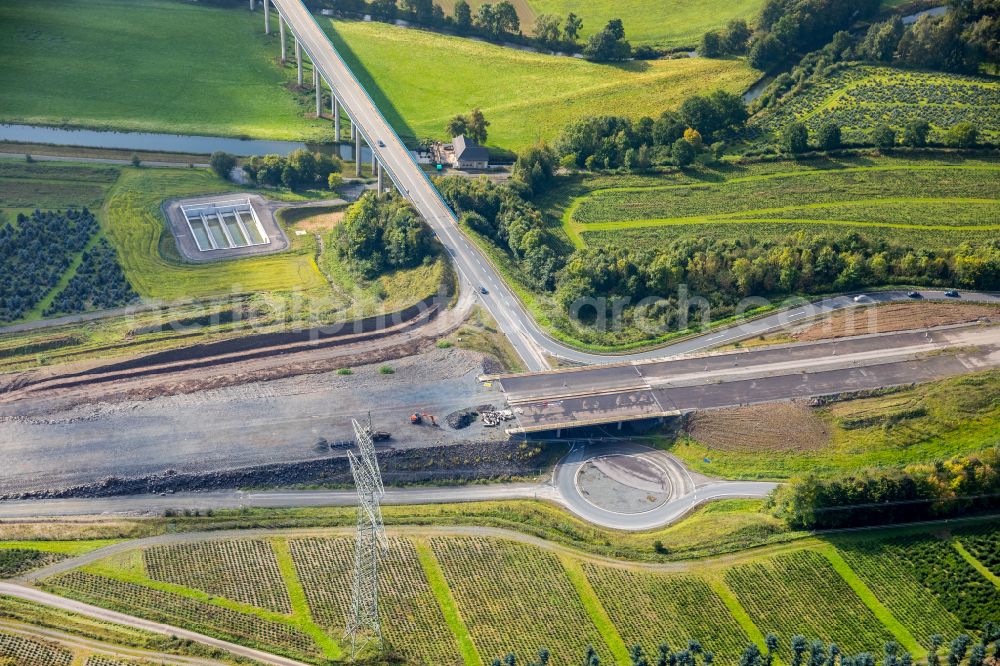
x,y
634,390
392,162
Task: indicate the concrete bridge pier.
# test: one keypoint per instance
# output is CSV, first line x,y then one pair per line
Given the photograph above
x,y
336,114
318,87
357,151
267,17
378,172
253,5
298,59
281,31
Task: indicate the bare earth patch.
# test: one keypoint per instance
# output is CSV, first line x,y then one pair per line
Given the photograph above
x,y
321,222
779,426
895,317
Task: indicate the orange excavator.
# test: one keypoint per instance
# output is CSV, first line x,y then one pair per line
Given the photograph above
x,y
417,418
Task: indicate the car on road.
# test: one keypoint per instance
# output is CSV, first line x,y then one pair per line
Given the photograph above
x,y
914,294
381,144
951,293
484,290
862,298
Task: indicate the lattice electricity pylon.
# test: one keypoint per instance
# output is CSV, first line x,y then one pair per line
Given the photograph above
x,y
364,626
367,447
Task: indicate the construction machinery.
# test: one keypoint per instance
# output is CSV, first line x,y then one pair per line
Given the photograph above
x,y
419,417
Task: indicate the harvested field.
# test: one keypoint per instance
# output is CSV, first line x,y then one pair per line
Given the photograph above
x,y
783,426
895,317
314,219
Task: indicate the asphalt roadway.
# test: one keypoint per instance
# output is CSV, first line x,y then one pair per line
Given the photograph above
x,y
104,615
648,389
474,269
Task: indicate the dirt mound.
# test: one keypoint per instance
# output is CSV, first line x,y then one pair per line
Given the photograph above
x,y
463,418
781,426
895,317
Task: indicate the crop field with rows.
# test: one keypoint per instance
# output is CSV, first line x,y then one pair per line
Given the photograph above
x,y
890,576
14,561
958,586
924,204
28,652
801,593
652,608
175,608
241,570
516,598
412,621
860,97
984,545
25,187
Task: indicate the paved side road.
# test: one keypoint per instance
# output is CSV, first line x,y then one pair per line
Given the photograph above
x,y
104,649
97,613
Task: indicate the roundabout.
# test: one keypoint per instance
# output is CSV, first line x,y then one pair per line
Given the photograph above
x,y
632,487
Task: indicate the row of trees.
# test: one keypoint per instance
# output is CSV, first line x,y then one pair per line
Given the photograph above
x,y
500,22
498,213
795,136
804,653
610,142
382,233
959,41
722,272
873,497
301,168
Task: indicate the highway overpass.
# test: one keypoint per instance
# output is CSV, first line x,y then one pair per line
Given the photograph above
x,y
636,390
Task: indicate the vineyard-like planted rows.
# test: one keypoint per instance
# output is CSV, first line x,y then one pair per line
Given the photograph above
x,y
859,98
947,212
183,611
649,609
514,597
984,546
781,191
29,652
960,588
893,580
15,561
242,570
800,593
760,230
412,620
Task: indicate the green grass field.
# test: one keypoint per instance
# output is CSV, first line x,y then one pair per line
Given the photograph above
x,y
920,202
458,599
420,79
660,23
860,97
177,67
923,424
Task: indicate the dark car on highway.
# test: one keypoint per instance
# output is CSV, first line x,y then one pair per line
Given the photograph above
x,y
483,290
951,293
914,294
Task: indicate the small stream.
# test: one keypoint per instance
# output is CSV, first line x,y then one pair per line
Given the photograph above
x,y
172,143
